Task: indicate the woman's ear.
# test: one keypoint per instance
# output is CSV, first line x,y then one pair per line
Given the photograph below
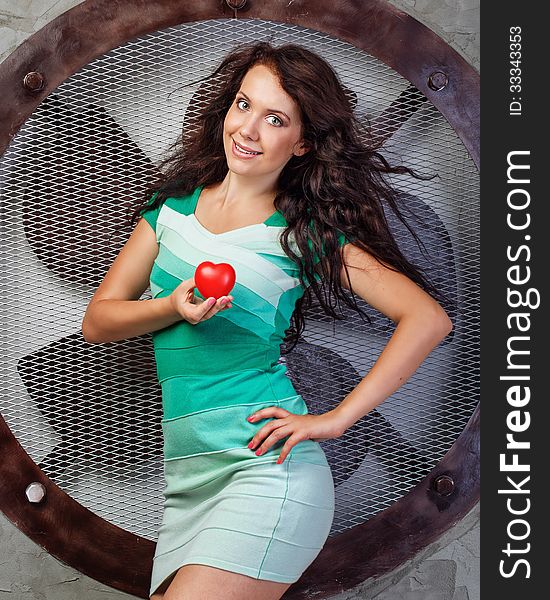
x,y
302,148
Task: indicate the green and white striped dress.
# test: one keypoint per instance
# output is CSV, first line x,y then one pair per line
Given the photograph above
x,y
223,505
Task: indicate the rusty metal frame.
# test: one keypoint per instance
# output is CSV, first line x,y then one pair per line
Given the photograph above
x,y
73,533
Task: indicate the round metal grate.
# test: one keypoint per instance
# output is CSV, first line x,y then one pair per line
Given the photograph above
x,y
89,415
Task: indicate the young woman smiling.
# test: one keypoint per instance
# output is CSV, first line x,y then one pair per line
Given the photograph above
x,y
275,181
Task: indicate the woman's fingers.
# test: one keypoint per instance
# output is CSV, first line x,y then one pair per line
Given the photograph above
x,y
195,309
210,306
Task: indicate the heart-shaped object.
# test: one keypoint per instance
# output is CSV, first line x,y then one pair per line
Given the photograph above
x,y
214,279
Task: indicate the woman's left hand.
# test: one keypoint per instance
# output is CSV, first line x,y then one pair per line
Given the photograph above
x,y
296,427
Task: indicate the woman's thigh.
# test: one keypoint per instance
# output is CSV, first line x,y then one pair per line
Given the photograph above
x,y
203,582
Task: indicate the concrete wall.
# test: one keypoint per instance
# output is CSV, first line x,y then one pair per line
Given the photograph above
x,y
447,570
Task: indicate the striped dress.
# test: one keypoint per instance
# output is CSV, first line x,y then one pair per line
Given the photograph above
x,y
223,505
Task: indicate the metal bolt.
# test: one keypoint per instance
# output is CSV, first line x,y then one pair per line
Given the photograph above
x,y
437,80
444,485
236,4
33,81
35,492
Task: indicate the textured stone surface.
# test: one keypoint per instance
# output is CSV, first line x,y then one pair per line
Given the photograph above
x,y
447,570
456,21
28,572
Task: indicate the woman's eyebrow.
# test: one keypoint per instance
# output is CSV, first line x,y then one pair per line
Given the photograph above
x,y
269,109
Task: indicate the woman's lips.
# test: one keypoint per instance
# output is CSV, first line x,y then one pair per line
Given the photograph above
x,y
238,153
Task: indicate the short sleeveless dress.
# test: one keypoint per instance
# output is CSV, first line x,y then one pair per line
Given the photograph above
x,y
223,505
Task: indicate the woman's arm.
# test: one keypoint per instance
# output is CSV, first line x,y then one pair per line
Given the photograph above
x,y
115,311
421,325
109,320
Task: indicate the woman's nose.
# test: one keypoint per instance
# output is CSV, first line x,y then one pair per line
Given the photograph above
x,y
249,128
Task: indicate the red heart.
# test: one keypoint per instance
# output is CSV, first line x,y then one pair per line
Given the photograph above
x,y
214,279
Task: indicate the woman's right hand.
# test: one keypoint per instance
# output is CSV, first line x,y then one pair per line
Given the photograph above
x,y
192,308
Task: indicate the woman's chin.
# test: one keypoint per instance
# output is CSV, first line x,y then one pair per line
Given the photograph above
x,y
238,166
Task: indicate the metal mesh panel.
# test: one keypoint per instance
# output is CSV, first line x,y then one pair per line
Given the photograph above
x,y
89,415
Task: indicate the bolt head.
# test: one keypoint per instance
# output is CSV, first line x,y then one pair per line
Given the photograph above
x,y
236,4
437,81
444,485
35,492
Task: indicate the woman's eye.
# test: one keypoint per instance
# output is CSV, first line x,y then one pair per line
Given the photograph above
x,y
241,100
277,119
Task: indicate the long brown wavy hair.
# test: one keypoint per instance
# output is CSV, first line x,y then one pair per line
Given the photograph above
x,y
336,187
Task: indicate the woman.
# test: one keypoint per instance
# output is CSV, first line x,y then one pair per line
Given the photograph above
x,y
274,180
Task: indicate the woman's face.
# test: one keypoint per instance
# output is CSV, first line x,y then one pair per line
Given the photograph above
x,y
265,119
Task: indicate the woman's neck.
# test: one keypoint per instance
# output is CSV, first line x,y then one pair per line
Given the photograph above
x,y
237,191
